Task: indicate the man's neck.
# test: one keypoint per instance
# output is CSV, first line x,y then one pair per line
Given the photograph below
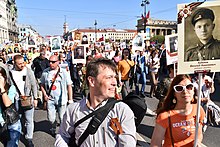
x,y
95,100
55,68
206,40
18,69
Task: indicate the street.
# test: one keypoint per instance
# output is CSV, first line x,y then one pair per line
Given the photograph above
x,y
42,137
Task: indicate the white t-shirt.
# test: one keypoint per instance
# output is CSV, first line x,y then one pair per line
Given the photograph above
x,y
19,78
56,89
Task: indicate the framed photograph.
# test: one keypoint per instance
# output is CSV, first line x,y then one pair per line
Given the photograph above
x,y
79,55
77,36
55,44
199,37
85,39
171,42
138,42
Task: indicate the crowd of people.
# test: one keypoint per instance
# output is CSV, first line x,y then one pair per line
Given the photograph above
x,y
53,79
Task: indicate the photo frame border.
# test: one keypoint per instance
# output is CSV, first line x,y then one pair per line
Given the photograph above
x,y
189,67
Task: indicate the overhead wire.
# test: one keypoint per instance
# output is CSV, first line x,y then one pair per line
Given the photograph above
x,y
99,13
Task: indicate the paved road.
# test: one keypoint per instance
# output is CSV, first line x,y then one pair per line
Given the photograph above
x,y
42,138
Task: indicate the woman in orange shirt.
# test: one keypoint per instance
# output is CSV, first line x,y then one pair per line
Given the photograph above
x,y
123,68
179,130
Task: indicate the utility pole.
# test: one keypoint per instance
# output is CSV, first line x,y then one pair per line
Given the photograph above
x,y
144,4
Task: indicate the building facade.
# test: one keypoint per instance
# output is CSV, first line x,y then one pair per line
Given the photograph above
x,y
11,12
28,36
107,35
157,27
3,22
8,22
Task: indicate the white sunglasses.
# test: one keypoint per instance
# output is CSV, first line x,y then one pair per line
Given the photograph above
x,y
180,88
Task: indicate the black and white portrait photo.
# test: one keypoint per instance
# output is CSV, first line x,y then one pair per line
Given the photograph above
x,y
138,42
204,44
55,44
79,54
199,37
171,43
84,39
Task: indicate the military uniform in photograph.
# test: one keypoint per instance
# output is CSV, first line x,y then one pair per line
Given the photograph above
x,y
208,51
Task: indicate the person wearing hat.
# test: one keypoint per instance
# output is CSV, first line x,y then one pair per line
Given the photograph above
x,y
208,48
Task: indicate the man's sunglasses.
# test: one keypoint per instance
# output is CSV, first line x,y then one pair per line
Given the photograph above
x,y
180,88
53,62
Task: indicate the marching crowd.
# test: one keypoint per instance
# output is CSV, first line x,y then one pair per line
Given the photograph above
x,y
39,75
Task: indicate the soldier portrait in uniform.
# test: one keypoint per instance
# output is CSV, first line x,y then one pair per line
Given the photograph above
x,y
55,44
79,54
84,39
198,37
203,45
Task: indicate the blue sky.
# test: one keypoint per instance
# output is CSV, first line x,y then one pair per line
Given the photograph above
x,y
47,16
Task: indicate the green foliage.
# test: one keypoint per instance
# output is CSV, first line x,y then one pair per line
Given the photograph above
x,y
158,38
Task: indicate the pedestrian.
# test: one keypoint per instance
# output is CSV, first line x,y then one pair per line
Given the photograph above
x,y
175,123
154,65
38,65
208,48
101,79
63,62
26,85
7,96
207,89
56,86
141,62
124,67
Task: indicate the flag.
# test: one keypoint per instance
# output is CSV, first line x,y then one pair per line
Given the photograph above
x,y
101,39
146,17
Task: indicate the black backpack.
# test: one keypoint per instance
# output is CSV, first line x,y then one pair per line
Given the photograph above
x,y
137,105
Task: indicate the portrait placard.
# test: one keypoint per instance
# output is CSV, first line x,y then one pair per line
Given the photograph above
x,y
55,44
199,37
85,39
79,55
77,36
171,42
138,42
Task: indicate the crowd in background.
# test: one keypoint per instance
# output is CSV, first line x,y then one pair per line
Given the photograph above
x,y
133,67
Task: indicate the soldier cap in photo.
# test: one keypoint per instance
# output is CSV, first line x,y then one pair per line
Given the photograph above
x,y
202,13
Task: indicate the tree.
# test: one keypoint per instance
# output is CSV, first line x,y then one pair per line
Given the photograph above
x,y
158,39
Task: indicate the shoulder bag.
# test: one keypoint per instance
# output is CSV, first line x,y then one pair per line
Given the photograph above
x,y
26,101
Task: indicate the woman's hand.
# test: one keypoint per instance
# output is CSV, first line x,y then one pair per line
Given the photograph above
x,y
2,84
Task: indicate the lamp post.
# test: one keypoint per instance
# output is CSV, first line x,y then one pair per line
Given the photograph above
x,y
95,30
144,4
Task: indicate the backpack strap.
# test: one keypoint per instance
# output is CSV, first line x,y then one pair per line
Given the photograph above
x,y
98,117
19,92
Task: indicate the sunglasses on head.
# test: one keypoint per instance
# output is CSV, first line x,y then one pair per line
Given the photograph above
x,y
52,61
180,88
